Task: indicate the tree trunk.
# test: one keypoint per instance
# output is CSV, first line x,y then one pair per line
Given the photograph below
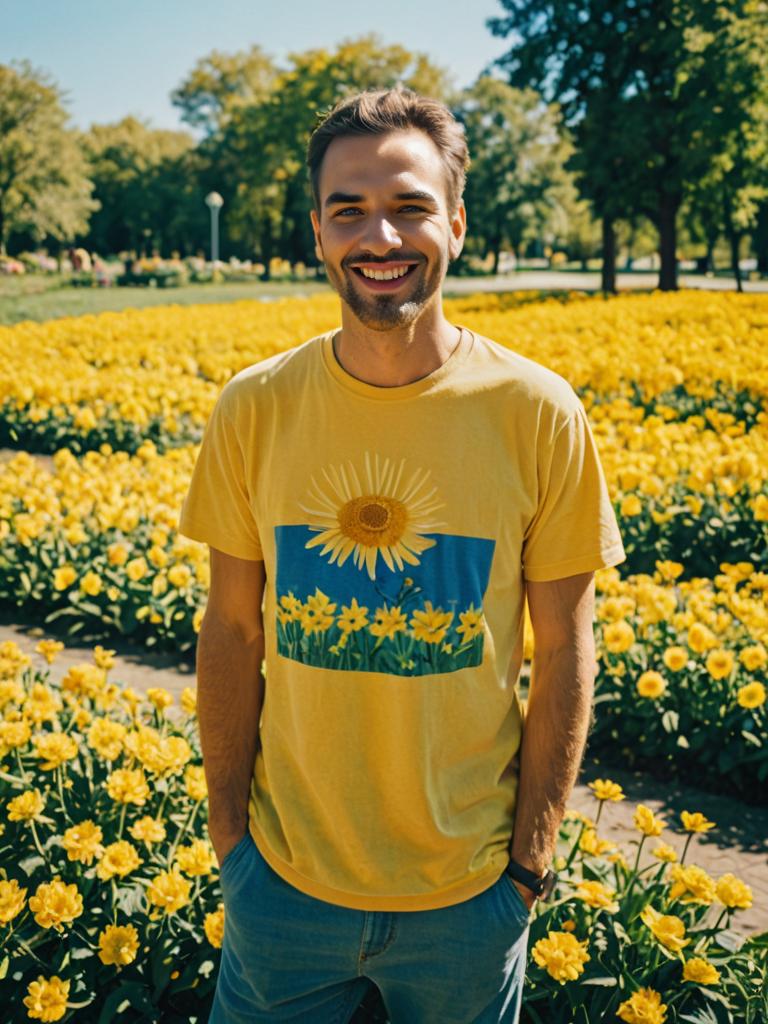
x,y
267,247
760,240
496,255
734,237
2,231
608,274
668,206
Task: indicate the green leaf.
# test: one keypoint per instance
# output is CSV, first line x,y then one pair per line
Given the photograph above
x,y
682,742
751,738
670,720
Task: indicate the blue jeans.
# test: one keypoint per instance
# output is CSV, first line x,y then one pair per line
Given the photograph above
x,y
287,956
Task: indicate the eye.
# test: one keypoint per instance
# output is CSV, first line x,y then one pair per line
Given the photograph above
x,y
417,209
347,209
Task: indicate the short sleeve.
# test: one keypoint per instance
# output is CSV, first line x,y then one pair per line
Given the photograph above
x,y
217,509
574,528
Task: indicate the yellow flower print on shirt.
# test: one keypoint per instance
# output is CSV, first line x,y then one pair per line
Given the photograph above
x,y
385,512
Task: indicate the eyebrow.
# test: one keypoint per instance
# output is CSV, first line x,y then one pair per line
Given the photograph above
x,y
348,197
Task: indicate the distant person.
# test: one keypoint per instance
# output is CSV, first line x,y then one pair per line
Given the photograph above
x,y
391,491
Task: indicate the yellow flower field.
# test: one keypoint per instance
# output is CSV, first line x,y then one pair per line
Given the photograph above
x,y
110,905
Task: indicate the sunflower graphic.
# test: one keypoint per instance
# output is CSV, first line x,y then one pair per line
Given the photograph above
x,y
385,514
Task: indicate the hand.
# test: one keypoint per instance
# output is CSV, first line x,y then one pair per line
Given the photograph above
x,y
529,898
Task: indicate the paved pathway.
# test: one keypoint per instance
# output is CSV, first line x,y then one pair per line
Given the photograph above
x,y
739,844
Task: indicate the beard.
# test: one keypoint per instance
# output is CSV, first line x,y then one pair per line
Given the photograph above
x,y
386,312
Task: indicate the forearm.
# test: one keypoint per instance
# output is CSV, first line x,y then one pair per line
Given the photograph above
x,y
230,692
554,736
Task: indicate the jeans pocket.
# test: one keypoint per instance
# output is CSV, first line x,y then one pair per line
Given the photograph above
x,y
234,853
517,896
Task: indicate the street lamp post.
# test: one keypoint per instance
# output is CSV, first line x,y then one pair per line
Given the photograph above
x,y
214,202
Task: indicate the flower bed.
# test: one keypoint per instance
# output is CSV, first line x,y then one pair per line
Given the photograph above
x,y
110,907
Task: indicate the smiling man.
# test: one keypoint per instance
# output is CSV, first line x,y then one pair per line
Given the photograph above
x,y
379,503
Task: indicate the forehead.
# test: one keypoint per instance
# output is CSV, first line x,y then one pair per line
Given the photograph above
x,y
398,161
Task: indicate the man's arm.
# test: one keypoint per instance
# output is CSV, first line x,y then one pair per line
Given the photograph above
x,y
230,692
557,716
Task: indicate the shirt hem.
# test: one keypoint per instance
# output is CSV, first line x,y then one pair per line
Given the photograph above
x,y
357,901
200,533
586,563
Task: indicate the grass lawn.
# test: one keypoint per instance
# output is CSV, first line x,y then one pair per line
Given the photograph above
x,y
40,298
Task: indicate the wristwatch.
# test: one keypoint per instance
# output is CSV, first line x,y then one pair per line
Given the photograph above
x,y
541,885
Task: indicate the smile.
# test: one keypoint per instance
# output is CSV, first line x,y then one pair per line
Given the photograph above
x,y
388,278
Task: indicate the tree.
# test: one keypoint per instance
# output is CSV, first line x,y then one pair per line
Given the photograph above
x,y
645,85
517,170
145,181
44,186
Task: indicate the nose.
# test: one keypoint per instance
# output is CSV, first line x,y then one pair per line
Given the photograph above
x,y
380,236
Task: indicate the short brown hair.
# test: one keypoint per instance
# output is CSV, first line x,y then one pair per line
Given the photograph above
x,y
387,110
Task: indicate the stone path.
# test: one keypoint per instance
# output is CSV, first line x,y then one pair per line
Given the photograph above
x,y
739,844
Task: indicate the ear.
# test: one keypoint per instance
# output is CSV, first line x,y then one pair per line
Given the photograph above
x,y
458,231
316,229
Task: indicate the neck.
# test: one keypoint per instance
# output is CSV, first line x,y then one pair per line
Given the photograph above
x,y
390,359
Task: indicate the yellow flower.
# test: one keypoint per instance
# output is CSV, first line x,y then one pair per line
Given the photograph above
x,y
42,705
197,619
213,925
668,929
53,749
691,884
597,895
700,638
117,554
353,617
471,624
180,575
49,649
120,858
47,998
669,571
643,1007
27,806
590,843
651,684
64,577
158,557
695,822
195,859
430,624
118,944
55,904
91,584
82,842
128,786
194,782
561,955
148,830
732,892
719,663
161,755
106,737
751,696
675,658
604,789
160,697
701,971
665,852
618,636
317,613
630,506
188,700
104,659
754,657
169,891
84,680
12,900
12,735
387,622
647,822
136,569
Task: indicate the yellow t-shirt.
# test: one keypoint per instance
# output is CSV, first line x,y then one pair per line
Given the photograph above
x,y
397,527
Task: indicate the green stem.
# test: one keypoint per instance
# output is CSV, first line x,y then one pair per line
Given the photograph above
x,y
24,775
182,832
60,787
122,821
13,779
685,848
36,840
599,812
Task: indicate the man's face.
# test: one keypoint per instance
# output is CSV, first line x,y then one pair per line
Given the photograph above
x,y
384,211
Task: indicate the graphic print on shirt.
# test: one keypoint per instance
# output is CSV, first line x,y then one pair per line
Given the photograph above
x,y
369,584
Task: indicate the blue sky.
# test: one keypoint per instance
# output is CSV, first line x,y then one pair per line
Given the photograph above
x,y
118,58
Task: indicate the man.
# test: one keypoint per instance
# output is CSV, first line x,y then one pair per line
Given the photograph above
x,y
392,491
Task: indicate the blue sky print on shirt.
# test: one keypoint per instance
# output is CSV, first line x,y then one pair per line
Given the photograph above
x,y
367,584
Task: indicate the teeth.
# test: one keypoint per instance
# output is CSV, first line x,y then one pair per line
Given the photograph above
x,y
384,275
